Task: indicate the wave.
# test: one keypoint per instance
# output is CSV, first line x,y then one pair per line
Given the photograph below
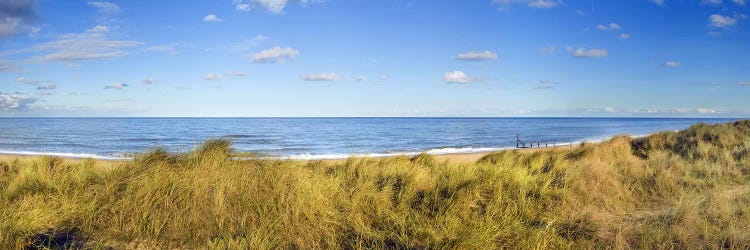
x,y
440,151
66,155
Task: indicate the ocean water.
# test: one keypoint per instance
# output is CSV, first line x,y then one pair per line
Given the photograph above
x,y
312,138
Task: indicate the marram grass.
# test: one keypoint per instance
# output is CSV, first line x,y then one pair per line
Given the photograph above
x,y
671,190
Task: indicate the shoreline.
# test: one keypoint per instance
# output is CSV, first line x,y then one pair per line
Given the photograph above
x,y
453,157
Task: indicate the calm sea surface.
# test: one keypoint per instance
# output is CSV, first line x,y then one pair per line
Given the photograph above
x,y
311,138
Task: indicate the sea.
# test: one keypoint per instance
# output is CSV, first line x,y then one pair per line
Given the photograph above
x,y
314,138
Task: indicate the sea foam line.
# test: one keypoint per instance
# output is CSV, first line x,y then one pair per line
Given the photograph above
x,y
436,151
440,151
66,155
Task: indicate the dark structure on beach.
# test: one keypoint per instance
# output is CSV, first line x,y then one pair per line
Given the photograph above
x,y
521,144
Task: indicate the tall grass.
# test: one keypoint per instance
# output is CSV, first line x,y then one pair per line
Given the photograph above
x,y
687,189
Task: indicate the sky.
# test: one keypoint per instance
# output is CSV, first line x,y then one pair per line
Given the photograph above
x,y
340,58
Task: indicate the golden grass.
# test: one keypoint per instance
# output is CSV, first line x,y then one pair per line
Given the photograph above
x,y
687,189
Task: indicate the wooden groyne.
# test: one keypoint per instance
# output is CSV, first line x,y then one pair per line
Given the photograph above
x,y
530,144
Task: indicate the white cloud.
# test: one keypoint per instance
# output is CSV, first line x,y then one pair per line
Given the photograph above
x,y
216,76
212,77
84,46
477,56
274,55
149,81
12,102
48,87
321,77
714,2
672,64
548,50
456,76
26,81
361,78
720,21
624,36
610,26
740,2
744,83
273,6
588,53
541,4
116,85
705,110
212,19
654,111
659,2
243,7
580,12
98,29
105,7
16,17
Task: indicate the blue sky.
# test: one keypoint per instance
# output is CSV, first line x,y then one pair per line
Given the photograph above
x,y
644,58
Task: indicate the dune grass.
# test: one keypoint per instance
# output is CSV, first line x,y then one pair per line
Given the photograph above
x,y
687,189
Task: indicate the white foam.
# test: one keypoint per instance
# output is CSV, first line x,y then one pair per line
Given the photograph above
x,y
308,156
437,151
67,155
